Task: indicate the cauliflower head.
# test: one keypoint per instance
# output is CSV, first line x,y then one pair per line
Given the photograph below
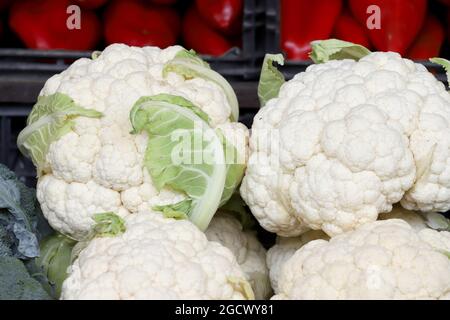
x,y
379,260
88,162
345,140
156,258
284,249
250,254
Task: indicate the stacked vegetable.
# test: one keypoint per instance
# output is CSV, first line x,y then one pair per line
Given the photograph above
x,y
356,133
334,156
209,27
403,26
104,136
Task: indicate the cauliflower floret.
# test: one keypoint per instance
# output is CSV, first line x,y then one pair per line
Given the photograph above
x,y
250,254
70,206
284,249
438,240
346,140
156,258
379,260
99,156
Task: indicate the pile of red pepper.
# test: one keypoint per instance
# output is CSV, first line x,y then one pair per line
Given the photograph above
x,y
207,26
403,26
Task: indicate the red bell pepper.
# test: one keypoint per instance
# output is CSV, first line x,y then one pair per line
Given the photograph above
x,y
42,24
201,37
429,41
90,4
303,21
172,17
223,15
136,23
163,2
348,29
401,21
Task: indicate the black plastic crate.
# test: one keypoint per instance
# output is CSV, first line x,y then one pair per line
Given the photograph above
x,y
291,68
237,63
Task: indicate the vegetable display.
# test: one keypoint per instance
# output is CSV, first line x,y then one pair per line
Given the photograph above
x,y
208,27
355,137
105,140
149,187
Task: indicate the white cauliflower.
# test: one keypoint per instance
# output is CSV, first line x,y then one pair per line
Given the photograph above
x,y
344,141
156,258
250,254
78,136
379,260
284,249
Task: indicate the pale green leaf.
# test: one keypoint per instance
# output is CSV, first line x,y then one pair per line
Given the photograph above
x,y
108,224
96,54
55,258
51,118
178,211
183,153
271,78
333,49
235,169
237,208
437,221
